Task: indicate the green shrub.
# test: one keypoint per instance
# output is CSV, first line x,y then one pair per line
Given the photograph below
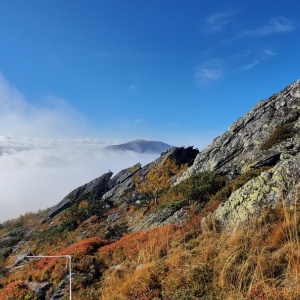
x,y
175,204
200,187
67,225
280,133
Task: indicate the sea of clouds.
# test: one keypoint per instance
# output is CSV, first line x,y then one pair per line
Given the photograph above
x,y
41,161
38,173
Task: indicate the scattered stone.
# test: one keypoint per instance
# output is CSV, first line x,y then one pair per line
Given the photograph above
x,y
114,217
40,289
115,267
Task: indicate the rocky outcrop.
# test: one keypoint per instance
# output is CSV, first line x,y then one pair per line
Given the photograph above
x,y
162,217
122,185
92,190
120,188
242,147
281,183
268,135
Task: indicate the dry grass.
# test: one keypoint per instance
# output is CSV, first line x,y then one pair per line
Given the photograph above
x,y
260,262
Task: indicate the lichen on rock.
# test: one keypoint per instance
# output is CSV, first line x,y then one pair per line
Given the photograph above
x,y
281,183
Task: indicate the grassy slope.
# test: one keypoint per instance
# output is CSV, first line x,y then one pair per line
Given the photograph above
x,y
169,262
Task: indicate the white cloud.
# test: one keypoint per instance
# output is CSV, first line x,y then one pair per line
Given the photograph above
x,y
277,25
53,117
210,71
274,26
218,21
252,59
38,173
214,70
133,88
134,84
207,75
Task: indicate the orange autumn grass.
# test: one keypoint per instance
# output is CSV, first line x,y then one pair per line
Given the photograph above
x,y
261,262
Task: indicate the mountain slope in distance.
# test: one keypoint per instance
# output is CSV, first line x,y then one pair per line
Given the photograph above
x,y
140,146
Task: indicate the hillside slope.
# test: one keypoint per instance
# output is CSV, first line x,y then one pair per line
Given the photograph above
x,y
222,223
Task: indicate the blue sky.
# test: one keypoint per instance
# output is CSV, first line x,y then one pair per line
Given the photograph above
x,y
176,71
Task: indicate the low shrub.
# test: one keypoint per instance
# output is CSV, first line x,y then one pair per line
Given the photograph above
x,y
17,290
200,187
280,133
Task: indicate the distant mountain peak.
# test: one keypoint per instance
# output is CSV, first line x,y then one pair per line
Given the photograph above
x,y
140,146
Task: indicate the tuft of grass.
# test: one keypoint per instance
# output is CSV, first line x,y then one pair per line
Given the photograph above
x,y
281,133
224,193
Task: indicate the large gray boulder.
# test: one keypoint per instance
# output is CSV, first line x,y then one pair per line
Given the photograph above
x,y
279,184
241,148
40,289
120,185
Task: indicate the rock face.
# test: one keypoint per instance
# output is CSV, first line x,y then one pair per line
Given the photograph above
x,y
123,182
240,148
163,217
40,289
268,135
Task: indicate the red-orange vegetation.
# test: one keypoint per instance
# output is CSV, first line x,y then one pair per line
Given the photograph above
x,y
151,241
84,247
16,290
213,206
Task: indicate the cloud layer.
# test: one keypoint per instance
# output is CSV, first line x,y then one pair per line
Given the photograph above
x,y
38,173
54,117
37,166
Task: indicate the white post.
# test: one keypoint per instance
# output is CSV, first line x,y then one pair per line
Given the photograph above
x,y
70,275
68,257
